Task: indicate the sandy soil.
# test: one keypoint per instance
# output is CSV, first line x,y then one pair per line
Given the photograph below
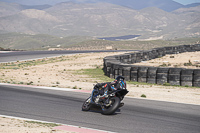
x,y
8,125
60,74
182,60
64,74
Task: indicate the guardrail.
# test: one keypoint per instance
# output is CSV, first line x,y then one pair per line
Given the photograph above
x,y
124,65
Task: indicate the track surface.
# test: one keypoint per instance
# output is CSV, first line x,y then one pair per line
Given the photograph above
x,y
27,55
137,116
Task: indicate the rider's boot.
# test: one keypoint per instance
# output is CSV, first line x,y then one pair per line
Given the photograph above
x,y
121,104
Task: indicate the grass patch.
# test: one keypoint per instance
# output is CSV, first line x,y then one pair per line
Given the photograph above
x,y
96,73
139,83
167,84
143,95
75,87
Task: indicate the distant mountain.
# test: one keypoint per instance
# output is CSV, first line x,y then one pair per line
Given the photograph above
x,y
195,9
39,7
166,5
12,8
100,20
191,17
29,21
9,8
192,5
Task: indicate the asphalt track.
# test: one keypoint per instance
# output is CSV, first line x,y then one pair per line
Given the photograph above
x,y
28,55
137,115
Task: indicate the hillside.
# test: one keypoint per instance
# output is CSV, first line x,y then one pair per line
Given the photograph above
x,y
38,42
93,20
100,20
191,16
45,42
166,5
9,9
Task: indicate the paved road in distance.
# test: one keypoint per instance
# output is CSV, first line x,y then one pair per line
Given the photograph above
x,y
27,55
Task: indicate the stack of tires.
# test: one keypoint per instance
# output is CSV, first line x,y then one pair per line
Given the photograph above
x,y
175,50
151,75
142,74
107,64
174,76
134,73
112,70
189,48
182,49
196,47
139,56
133,57
129,61
154,54
196,78
125,58
161,52
169,50
120,70
187,77
116,70
122,58
126,73
145,56
150,55
117,57
162,75
107,68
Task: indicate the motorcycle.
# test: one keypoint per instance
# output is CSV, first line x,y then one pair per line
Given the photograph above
x,y
109,103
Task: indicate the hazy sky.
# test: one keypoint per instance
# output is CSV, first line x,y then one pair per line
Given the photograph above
x,y
185,2
36,2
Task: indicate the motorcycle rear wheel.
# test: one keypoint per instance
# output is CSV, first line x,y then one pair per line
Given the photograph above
x,y
113,107
86,105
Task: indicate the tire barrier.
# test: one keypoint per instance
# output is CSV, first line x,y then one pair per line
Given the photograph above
x,y
174,76
142,74
187,77
196,78
162,75
134,73
126,73
122,65
151,75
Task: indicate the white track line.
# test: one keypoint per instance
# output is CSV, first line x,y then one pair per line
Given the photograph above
x,y
26,119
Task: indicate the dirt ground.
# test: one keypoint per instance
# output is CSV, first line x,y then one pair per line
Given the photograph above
x,y
183,60
11,125
66,74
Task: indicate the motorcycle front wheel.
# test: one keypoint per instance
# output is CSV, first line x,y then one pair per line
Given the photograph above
x,y
113,107
86,105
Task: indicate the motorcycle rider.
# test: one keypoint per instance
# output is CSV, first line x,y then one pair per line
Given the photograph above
x,y
106,88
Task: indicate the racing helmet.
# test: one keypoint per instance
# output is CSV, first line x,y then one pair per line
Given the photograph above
x,y
121,82
119,78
